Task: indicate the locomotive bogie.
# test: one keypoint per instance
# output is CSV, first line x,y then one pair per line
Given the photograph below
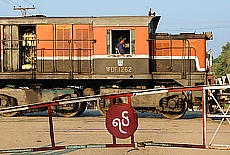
x,y
171,105
16,97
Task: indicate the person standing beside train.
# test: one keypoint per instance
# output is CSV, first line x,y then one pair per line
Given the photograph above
x,y
119,46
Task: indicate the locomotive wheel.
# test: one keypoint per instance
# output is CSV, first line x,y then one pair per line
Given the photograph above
x,y
176,107
7,102
104,105
72,109
88,92
82,109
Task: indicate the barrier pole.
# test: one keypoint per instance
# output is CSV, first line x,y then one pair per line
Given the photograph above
x,y
204,115
51,126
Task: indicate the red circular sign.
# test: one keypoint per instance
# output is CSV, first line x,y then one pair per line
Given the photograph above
x,y
121,120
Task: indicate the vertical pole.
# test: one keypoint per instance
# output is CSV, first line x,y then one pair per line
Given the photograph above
x,y
111,102
130,104
23,10
51,126
129,101
1,47
132,139
114,140
10,58
204,113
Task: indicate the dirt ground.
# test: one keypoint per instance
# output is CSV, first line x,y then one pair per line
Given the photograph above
x,y
32,130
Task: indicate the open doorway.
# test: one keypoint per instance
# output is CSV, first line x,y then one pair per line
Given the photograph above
x,y
28,47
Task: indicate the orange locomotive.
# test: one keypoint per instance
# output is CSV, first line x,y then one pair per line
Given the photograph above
x,y
45,55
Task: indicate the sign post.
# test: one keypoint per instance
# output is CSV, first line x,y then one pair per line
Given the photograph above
x,y
121,121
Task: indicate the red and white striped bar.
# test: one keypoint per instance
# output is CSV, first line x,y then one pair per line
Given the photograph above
x,y
97,97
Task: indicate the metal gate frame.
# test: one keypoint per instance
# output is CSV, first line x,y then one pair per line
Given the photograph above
x,y
205,90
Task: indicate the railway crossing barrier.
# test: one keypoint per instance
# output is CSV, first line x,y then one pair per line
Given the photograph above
x,y
122,120
223,114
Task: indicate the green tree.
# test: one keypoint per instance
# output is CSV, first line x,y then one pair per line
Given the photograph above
x,y
221,65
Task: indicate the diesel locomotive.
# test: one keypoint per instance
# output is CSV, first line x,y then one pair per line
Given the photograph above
x,y
49,58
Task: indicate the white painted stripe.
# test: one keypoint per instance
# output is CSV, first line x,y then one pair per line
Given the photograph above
x,y
92,57
117,56
13,109
183,57
16,150
126,56
80,99
150,92
65,58
217,87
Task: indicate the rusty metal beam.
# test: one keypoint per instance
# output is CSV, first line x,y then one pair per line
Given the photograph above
x,y
152,143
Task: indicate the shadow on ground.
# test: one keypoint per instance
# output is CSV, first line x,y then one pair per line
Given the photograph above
x,y
92,113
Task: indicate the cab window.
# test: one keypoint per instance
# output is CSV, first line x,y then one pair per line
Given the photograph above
x,y
113,39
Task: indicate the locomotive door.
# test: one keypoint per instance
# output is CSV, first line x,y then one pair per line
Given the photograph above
x,y
10,48
64,48
63,54
83,48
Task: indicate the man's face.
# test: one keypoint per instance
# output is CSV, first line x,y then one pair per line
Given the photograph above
x,y
122,41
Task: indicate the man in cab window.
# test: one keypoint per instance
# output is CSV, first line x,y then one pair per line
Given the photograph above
x,y
119,46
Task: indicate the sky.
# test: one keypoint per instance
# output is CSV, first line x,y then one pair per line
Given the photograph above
x,y
177,16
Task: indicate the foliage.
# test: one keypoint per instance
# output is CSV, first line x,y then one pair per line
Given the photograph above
x,y
221,65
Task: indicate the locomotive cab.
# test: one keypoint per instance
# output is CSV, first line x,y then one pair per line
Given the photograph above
x,y
135,30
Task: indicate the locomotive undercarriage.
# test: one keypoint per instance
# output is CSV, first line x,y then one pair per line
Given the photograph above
x,y
12,97
171,105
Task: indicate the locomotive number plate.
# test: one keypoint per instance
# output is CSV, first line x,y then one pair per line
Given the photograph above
x,y
127,69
